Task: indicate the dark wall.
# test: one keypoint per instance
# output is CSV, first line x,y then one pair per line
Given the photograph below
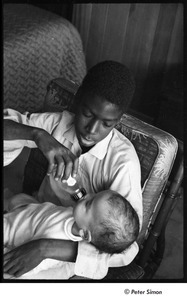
x,y
148,38
56,6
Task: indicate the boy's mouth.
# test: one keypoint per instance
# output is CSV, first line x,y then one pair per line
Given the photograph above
x,y
86,141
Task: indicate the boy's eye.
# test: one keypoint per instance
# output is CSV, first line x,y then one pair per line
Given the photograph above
x,y
108,124
86,112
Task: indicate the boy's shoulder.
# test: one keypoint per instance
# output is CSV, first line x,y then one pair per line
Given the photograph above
x,y
120,140
121,152
66,118
121,146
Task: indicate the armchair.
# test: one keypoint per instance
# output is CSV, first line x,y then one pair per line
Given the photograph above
x,y
160,180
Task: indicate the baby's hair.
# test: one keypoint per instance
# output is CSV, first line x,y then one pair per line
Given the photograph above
x,y
111,81
119,228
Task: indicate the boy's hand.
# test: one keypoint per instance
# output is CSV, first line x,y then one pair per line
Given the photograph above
x,y
27,256
59,157
23,258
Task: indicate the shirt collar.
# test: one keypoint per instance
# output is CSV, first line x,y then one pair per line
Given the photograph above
x,y
100,149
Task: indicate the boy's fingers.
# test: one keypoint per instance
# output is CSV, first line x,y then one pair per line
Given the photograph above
x,y
68,169
60,167
51,166
7,266
7,256
75,167
11,270
19,273
66,165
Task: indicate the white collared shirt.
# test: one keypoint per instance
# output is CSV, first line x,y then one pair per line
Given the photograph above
x,y
110,164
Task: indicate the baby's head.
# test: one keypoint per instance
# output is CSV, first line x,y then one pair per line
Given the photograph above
x,y
107,220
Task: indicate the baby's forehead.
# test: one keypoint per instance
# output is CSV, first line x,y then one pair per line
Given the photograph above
x,y
103,198
106,194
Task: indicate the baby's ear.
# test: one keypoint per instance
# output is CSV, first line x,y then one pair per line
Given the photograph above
x,y
86,235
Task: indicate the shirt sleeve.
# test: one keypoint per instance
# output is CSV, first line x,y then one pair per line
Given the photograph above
x,y
90,262
124,258
46,121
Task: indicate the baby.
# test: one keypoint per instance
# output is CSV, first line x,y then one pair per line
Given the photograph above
x,y
105,219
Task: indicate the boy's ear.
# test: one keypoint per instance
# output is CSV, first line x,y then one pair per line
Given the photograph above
x,y
86,235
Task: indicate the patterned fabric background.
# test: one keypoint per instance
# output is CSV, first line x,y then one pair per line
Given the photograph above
x,y
38,46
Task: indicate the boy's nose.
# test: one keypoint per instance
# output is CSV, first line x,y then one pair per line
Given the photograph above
x,y
93,127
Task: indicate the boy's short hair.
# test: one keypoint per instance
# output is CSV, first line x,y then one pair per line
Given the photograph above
x,y
119,229
110,80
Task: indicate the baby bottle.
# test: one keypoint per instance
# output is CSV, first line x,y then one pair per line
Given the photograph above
x,y
73,186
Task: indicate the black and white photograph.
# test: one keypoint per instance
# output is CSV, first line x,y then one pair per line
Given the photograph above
x,y
93,147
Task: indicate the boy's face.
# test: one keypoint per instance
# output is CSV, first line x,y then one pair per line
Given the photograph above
x,y
94,120
91,210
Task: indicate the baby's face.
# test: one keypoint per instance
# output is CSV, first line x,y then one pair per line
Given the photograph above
x,y
90,210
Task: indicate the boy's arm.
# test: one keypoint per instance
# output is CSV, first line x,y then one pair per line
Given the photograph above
x,y
25,127
18,131
27,256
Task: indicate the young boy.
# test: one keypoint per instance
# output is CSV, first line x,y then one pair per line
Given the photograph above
x,y
85,143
